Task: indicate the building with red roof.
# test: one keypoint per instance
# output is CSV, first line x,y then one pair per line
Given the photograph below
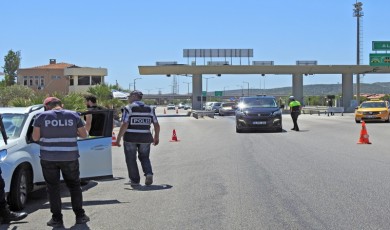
x,y
60,77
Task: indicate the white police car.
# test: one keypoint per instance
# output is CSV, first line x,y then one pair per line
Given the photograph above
x,y
20,162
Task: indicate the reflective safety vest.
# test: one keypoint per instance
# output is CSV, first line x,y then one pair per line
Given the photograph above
x,y
139,118
294,105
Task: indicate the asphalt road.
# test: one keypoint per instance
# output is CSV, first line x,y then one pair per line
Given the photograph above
x,y
214,178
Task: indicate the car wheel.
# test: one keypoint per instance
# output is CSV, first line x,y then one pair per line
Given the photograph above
x,y
388,119
20,187
238,129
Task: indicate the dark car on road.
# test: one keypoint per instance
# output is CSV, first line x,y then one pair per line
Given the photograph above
x,y
258,113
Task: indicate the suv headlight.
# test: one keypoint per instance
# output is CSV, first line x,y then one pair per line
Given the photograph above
x,y
383,112
3,154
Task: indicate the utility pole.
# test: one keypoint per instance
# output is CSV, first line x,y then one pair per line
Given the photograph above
x,y
135,80
188,89
248,86
358,12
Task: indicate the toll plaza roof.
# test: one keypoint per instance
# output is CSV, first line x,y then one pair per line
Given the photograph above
x,y
181,69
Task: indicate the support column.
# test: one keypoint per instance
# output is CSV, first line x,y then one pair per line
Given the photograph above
x,y
347,91
297,87
196,91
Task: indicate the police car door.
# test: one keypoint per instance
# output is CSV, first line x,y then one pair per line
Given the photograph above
x,y
95,152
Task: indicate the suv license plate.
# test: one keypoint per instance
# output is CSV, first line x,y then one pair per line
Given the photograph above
x,y
259,122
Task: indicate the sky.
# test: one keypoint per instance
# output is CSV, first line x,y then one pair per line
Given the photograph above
x,y
121,35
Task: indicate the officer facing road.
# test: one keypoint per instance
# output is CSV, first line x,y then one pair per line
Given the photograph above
x,y
135,130
295,110
57,129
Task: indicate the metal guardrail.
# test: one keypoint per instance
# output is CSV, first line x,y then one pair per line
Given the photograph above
x,y
322,109
201,113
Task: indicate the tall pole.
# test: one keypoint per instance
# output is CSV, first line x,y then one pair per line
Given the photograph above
x,y
188,88
248,86
224,90
135,80
207,85
358,12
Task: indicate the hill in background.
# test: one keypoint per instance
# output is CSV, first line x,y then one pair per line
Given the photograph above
x,y
315,90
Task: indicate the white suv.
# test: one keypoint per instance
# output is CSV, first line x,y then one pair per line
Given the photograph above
x,y
20,161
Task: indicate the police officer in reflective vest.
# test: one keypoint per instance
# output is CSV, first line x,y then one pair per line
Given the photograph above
x,y
295,110
137,119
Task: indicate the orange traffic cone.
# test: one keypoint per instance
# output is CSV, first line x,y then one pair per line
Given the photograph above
x,y
174,137
177,111
364,135
113,142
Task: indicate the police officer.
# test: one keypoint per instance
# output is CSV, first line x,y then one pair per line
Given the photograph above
x,y
57,129
295,110
6,215
137,119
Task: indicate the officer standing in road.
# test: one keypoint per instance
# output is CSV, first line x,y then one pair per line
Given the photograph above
x,y
57,129
135,130
6,214
295,110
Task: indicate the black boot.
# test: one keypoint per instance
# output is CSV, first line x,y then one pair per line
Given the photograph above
x,y
13,216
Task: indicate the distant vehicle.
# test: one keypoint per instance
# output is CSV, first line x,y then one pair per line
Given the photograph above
x,y
171,106
187,106
120,95
180,106
207,105
227,108
20,161
258,113
373,110
215,107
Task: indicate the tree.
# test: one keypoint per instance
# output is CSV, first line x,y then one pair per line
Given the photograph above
x,y
7,94
11,65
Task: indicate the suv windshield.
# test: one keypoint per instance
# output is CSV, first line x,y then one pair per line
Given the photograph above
x,y
13,124
260,102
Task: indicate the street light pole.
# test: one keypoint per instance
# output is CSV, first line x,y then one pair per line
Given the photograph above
x,y
224,90
135,80
130,87
188,89
358,13
248,86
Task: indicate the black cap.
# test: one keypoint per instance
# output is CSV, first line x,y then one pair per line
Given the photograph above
x,y
136,92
